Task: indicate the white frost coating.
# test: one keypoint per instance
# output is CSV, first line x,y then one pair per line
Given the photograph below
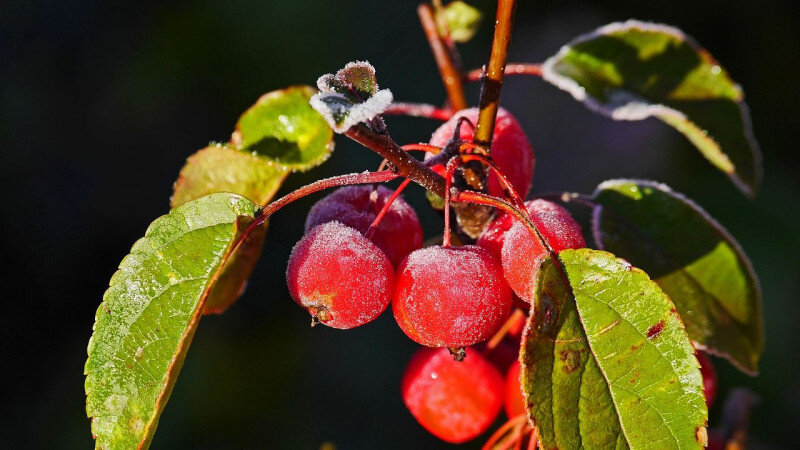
x,y
357,113
630,107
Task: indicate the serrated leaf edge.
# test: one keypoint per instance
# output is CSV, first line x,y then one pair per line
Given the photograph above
x,y
185,340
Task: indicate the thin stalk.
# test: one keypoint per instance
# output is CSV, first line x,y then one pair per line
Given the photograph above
x,y
511,69
418,110
509,189
452,165
493,77
325,183
451,76
374,225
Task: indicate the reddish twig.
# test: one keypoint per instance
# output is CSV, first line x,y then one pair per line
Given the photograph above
x,y
451,77
507,187
385,209
341,180
511,69
418,110
452,165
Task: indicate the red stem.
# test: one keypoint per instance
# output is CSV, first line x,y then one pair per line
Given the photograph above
x,y
511,69
385,209
422,147
510,191
325,183
418,110
452,165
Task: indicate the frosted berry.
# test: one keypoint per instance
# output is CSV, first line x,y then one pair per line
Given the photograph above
x,y
340,277
451,296
399,232
523,253
709,378
493,237
514,400
511,150
455,401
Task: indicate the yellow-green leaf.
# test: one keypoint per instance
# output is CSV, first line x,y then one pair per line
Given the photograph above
x,y
283,128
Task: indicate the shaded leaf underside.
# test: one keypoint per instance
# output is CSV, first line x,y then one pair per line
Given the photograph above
x,y
694,260
634,70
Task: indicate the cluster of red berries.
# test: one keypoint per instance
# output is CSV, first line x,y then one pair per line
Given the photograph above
x,y
363,250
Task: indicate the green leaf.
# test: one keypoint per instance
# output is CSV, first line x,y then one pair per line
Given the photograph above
x,y
350,97
220,168
611,366
635,70
461,20
284,129
694,260
150,312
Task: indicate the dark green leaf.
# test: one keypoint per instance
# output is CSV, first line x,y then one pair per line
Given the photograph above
x,y
635,70
694,260
150,313
611,366
461,20
283,128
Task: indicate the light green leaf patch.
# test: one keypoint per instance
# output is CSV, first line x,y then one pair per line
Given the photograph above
x,y
460,19
635,70
150,312
692,257
609,366
284,129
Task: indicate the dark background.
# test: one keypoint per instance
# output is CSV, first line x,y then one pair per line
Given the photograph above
x,y
102,101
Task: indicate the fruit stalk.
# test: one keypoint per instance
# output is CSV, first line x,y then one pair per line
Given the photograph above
x,y
511,69
451,76
492,80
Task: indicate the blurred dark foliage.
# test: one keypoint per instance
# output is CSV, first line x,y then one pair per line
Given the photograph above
x,y
101,102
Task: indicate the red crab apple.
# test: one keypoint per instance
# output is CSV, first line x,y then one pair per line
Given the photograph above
x,y
514,401
340,277
709,377
511,150
399,232
522,252
454,400
451,296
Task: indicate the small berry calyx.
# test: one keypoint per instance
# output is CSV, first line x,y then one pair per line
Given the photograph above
x,y
451,296
455,401
399,231
340,277
511,150
522,252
